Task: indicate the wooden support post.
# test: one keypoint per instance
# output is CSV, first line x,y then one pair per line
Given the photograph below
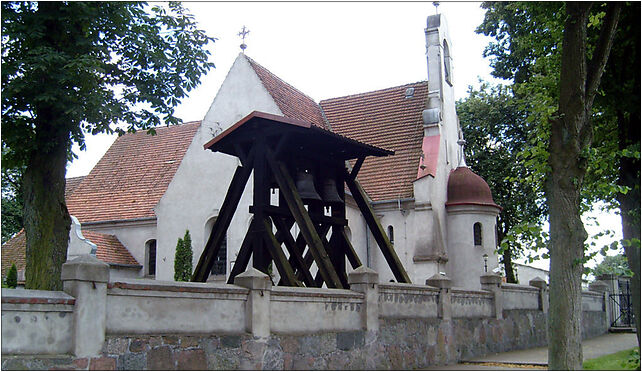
x,y
281,262
336,244
377,231
350,252
296,258
261,199
232,198
295,204
245,252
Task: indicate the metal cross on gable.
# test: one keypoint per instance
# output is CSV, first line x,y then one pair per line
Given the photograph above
x,y
242,34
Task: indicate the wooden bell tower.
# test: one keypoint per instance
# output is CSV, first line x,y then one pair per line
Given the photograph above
x,y
275,148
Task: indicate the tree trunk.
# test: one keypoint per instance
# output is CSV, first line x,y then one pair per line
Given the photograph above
x,y
563,185
46,218
629,133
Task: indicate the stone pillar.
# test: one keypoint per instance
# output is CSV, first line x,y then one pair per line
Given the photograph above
x,y
257,307
601,287
493,283
85,278
366,281
543,292
444,284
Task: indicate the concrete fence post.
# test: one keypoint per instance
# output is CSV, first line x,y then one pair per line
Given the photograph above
x,y
493,283
257,307
444,284
365,280
85,278
543,292
601,287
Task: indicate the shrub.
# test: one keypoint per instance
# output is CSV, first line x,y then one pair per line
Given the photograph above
x,y
183,259
12,277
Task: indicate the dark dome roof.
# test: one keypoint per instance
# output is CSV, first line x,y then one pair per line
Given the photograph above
x,y
466,188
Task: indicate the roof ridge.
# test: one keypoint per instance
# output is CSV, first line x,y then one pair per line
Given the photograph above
x,y
373,91
253,62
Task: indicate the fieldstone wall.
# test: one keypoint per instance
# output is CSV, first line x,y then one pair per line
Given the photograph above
x,y
399,344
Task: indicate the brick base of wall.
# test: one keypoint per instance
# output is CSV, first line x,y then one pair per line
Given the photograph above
x,y
400,344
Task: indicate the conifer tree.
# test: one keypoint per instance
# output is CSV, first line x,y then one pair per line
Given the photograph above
x,y
183,259
12,277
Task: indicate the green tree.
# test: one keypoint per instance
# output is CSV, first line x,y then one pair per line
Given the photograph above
x,y
616,265
70,68
560,53
12,276
183,259
496,129
11,203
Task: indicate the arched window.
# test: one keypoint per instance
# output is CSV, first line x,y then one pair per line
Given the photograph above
x,y
220,262
150,254
391,234
477,234
447,64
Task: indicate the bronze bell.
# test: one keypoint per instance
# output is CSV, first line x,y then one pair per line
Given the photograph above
x,y
305,186
329,192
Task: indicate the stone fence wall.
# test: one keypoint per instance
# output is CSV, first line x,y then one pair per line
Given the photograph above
x,y
146,324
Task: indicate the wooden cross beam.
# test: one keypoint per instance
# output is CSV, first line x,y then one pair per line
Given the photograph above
x,y
377,231
222,223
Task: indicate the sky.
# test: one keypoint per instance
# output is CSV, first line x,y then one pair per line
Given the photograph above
x,y
329,50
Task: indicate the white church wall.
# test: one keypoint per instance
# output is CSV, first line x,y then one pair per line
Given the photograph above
x,y
466,262
199,187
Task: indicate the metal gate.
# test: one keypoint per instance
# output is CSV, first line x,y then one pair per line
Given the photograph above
x,y
622,305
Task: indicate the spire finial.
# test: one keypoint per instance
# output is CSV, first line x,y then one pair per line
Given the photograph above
x,y
242,34
436,4
462,159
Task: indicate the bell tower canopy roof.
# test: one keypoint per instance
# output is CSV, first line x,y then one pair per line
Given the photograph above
x,y
297,136
467,188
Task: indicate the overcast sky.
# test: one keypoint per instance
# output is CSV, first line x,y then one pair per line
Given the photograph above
x,y
328,50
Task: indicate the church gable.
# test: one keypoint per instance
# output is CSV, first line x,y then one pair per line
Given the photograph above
x,y
132,176
388,118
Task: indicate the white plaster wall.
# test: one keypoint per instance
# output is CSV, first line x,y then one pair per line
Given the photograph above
x,y
199,187
520,297
196,308
471,304
43,328
397,300
295,310
466,264
119,273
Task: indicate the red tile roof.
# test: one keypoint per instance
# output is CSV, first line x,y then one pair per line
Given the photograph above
x,y
384,118
292,102
71,184
13,251
110,250
132,176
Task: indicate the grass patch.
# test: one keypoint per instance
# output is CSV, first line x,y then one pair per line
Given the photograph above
x,y
625,360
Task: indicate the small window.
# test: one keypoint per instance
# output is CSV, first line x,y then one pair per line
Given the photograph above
x,y
447,64
220,262
151,257
477,234
391,234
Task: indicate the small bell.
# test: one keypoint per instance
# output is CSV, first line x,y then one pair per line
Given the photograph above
x,y
330,194
305,186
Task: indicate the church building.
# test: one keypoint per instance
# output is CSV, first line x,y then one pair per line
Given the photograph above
x,y
147,191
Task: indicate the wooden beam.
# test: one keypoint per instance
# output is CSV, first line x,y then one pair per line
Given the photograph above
x,y
377,231
222,223
315,217
245,252
337,257
296,258
295,204
356,168
281,262
349,250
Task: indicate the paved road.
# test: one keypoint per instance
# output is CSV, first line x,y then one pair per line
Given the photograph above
x,y
537,358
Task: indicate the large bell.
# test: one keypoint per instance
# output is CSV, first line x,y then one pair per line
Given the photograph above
x,y
305,186
329,192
